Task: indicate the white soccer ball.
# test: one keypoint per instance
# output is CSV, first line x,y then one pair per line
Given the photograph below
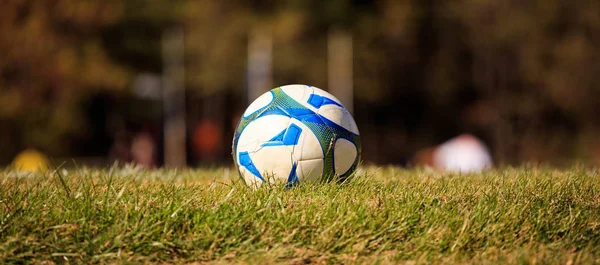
x,y
296,133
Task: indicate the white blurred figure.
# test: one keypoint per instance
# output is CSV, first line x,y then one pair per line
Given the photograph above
x,y
464,153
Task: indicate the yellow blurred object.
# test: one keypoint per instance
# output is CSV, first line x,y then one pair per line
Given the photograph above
x,y
31,160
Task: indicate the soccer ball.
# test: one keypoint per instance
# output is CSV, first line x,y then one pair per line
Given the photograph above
x,y
296,133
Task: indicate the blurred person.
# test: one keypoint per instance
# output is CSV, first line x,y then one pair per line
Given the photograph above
x,y
595,157
120,151
464,153
424,158
143,150
31,160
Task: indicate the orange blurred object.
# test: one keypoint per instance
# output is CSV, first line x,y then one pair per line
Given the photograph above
x,y
206,139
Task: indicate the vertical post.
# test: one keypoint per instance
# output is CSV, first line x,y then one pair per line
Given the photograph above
x,y
260,49
339,66
174,98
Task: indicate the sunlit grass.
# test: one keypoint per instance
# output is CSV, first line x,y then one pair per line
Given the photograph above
x,y
386,215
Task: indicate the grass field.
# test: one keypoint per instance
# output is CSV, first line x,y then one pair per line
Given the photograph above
x,y
385,215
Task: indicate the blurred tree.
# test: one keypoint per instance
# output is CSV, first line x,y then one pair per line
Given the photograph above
x,y
533,63
52,57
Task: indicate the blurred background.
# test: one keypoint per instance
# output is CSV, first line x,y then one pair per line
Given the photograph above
x,y
164,82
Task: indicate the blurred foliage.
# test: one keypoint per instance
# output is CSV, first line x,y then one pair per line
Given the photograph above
x,y
52,57
520,74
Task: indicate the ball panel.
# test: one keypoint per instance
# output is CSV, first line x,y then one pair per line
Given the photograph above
x,y
295,100
308,146
246,162
318,101
299,93
288,137
293,177
344,156
275,163
349,123
339,116
310,170
249,178
261,131
267,155
331,99
259,103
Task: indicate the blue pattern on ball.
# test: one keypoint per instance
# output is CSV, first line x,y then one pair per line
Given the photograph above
x,y
246,162
289,136
318,101
293,177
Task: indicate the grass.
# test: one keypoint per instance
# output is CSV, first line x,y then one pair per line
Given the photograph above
x,y
385,215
